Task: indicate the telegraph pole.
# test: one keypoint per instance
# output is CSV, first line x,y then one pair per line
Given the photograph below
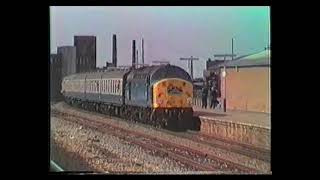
x,y
232,48
190,61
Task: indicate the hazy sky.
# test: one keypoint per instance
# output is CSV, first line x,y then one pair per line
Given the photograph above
x,y
169,32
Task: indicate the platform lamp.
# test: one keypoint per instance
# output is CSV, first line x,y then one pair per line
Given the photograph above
x,y
224,75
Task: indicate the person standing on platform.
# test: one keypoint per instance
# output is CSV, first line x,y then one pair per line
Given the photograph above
x,y
204,96
213,92
213,97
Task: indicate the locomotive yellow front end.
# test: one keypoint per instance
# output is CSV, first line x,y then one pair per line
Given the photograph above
x,y
172,103
172,93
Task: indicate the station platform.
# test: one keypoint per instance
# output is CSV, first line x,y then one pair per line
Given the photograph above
x,y
251,128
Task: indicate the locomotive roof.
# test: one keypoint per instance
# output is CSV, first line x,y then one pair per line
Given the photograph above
x,y
157,72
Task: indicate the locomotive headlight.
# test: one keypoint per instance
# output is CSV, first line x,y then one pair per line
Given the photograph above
x,y
189,101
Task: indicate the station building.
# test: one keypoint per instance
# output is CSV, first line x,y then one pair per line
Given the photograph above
x,y
246,84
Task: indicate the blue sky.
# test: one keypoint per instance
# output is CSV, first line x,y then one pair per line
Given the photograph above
x,y
169,32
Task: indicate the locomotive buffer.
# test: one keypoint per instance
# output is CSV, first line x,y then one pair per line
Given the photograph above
x,y
190,64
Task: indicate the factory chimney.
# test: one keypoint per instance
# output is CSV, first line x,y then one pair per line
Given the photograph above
x,y
137,59
114,50
134,54
142,52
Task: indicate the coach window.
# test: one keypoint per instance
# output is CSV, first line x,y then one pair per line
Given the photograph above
x,y
112,86
96,86
116,86
107,86
113,89
103,85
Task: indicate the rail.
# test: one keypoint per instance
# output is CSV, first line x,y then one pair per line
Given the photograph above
x,y
54,167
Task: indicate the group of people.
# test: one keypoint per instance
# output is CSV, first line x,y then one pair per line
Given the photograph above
x,y
210,89
212,93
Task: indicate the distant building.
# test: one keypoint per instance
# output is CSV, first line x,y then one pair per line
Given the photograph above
x,y
212,66
55,77
247,82
68,60
86,53
110,64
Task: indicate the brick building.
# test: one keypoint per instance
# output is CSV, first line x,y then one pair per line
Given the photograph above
x,y
246,85
68,60
86,53
55,77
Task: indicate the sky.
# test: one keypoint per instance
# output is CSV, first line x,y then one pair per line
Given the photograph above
x,y
168,32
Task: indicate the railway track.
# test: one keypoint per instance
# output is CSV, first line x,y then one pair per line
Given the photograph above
x,y
247,150
232,146
191,158
224,144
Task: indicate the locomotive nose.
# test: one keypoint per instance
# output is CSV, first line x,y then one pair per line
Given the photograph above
x,y
172,93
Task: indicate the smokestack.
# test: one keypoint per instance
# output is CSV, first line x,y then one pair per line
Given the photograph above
x,y
134,53
137,61
114,50
142,52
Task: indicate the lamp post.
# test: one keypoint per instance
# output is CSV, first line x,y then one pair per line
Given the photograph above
x,y
224,75
232,48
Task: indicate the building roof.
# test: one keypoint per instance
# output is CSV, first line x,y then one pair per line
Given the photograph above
x,y
259,59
